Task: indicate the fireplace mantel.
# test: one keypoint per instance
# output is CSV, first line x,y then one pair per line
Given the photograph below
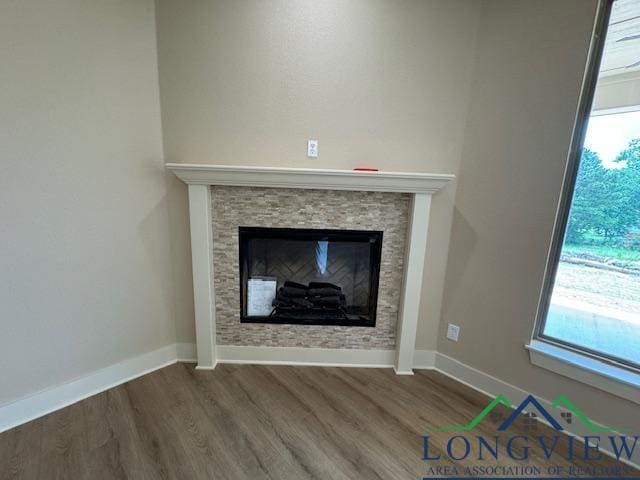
x,y
323,179
200,177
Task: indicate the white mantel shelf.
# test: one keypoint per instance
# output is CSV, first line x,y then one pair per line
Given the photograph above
x,y
316,178
199,177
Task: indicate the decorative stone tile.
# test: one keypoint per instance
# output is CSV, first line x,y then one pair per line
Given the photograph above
x,y
298,208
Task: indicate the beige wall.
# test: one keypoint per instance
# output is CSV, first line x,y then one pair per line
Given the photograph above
x,y
85,279
377,82
524,98
89,276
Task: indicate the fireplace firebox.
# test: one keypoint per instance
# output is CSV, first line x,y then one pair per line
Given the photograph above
x,y
309,276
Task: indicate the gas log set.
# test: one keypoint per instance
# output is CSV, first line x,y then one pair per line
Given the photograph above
x,y
318,300
316,294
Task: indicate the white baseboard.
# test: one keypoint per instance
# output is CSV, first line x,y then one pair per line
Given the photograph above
x,y
492,386
54,398
476,379
402,372
326,357
424,359
57,397
186,352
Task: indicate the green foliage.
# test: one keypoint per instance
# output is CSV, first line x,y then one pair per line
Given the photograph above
x,y
631,177
606,202
589,194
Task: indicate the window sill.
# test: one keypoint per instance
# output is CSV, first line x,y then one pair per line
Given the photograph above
x,y
582,368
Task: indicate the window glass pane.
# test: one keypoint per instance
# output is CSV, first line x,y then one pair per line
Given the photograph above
x,y
595,302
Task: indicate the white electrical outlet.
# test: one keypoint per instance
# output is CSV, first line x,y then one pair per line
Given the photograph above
x,y
453,332
312,148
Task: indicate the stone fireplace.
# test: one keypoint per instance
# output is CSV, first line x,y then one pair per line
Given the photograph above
x,y
307,266
233,208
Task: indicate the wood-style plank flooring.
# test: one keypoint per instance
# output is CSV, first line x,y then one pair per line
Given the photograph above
x,y
250,422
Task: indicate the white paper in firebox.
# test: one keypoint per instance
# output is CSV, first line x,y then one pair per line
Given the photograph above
x,y
260,294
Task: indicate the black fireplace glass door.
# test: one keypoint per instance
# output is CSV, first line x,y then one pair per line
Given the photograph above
x,y
309,276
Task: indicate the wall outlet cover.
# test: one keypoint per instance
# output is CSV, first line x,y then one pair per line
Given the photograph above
x,y
453,332
312,148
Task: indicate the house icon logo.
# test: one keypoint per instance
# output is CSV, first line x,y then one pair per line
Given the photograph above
x,y
532,410
509,443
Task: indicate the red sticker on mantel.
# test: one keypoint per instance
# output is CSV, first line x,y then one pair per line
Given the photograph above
x,y
366,169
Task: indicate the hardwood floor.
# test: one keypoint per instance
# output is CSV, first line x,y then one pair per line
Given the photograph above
x,y
253,422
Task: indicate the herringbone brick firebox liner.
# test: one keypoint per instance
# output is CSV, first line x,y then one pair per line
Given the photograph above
x,y
298,208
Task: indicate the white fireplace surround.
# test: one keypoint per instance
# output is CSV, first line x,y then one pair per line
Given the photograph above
x,y
199,178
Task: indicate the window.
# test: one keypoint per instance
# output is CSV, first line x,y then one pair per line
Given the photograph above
x,y
591,297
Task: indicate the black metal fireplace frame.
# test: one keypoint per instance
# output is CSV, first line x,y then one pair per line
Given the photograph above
x,y
310,234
